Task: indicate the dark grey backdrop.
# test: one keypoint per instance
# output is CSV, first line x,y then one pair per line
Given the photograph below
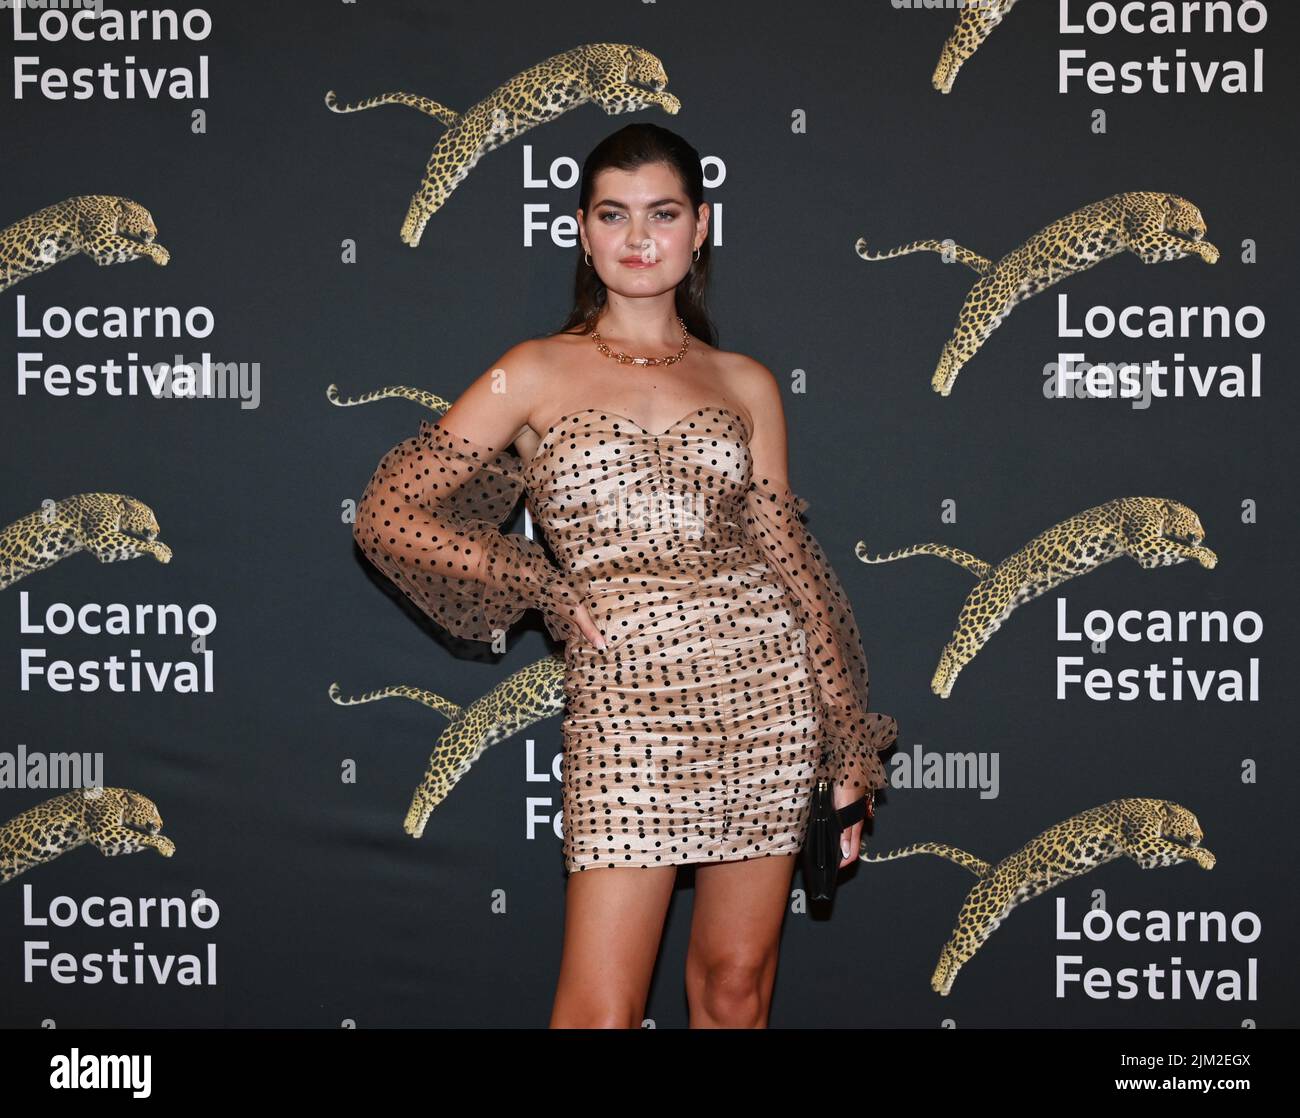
x,y
329,911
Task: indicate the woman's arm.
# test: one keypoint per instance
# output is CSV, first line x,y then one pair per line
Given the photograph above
x,y
431,514
495,408
852,735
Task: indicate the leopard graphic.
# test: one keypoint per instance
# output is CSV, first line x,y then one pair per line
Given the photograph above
x,y
107,228
111,526
1155,227
1155,531
1152,832
115,820
532,694
619,77
974,25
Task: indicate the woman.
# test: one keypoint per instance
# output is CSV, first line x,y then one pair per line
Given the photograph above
x,y
712,663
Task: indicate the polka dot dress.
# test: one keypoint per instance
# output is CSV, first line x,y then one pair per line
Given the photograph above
x,y
733,674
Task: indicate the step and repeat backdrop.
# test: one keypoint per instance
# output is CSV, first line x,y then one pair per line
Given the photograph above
x,y
1026,274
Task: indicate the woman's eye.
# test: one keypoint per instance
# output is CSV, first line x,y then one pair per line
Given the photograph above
x,y
669,214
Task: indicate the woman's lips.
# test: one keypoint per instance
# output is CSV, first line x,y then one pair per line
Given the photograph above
x,y
637,262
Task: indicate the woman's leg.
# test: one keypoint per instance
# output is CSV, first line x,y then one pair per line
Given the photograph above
x,y
735,937
613,921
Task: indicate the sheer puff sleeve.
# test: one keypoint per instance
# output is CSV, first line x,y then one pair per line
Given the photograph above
x,y
853,736
430,519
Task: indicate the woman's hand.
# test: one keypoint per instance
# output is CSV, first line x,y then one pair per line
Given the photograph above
x,y
584,620
564,602
850,837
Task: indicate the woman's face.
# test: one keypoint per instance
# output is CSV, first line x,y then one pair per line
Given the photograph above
x,y
640,229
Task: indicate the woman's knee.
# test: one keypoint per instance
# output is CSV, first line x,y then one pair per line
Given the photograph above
x,y
735,988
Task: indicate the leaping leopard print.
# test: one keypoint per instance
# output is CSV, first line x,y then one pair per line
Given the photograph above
x,y
619,77
1155,531
111,526
1155,227
974,25
532,694
1152,832
114,820
107,228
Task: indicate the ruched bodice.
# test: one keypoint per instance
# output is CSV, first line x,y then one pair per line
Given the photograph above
x,y
600,481
659,513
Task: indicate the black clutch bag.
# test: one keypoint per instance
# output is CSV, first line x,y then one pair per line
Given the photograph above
x,y
821,848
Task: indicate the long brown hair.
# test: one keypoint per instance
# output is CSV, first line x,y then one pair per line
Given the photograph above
x,y
627,149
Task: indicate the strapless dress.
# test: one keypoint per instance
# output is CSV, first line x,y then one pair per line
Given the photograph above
x,y
733,673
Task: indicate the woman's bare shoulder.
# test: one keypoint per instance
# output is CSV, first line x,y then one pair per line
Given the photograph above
x,y
543,353
748,378
741,364
533,360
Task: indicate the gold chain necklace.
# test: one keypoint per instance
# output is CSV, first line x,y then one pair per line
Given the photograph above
x,y
627,359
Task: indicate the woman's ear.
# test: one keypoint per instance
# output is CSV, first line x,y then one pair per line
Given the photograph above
x,y
702,219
